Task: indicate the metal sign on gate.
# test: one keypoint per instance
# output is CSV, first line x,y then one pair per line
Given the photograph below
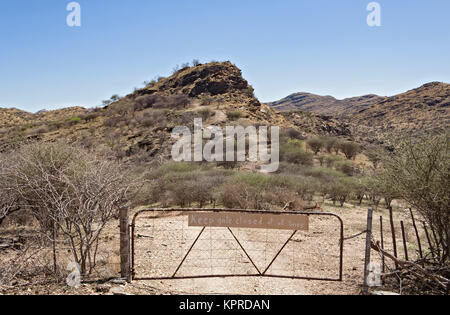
x,y
221,242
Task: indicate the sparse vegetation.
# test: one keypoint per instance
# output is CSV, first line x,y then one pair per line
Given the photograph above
x,y
234,115
418,172
315,144
350,149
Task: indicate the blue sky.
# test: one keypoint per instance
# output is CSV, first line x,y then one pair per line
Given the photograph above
x,y
285,46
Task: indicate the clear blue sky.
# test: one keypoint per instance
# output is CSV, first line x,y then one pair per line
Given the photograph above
x,y
284,46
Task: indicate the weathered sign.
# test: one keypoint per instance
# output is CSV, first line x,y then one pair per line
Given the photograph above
x,y
250,220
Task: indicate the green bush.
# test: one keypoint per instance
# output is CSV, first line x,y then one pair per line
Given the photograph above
x,y
73,121
205,113
331,160
315,144
346,167
234,115
293,152
350,149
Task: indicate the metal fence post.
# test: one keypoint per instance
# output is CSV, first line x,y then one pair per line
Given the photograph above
x,y
394,241
124,245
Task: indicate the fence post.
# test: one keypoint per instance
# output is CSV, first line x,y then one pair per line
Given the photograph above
x,y
405,246
394,241
382,245
124,245
368,249
417,233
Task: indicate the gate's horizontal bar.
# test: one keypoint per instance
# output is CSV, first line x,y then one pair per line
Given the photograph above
x,y
235,276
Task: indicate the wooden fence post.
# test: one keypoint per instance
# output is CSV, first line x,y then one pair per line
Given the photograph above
x,y
368,248
124,245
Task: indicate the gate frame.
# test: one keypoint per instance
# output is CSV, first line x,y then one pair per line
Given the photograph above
x,y
129,272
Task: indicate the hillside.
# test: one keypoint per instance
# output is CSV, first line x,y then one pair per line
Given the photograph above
x,y
425,109
138,126
373,118
324,105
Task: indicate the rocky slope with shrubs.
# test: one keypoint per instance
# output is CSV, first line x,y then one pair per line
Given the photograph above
x,y
137,126
422,110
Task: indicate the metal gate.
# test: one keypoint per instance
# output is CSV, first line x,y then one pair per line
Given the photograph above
x,y
258,250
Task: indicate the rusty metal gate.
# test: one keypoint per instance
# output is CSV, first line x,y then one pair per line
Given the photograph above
x,y
207,252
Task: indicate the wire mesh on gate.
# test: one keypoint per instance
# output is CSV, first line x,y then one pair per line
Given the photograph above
x,y
164,246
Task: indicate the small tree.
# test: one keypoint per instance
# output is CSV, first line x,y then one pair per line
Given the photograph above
x,y
330,143
374,156
360,189
293,152
340,190
315,144
350,149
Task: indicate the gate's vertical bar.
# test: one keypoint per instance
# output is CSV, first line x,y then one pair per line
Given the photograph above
x,y
394,241
124,245
417,233
405,247
368,249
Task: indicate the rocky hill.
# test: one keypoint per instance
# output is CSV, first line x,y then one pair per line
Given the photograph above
x,y
137,127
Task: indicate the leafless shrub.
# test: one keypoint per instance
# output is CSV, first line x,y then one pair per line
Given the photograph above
x,y
68,191
19,262
146,101
240,196
152,118
206,100
112,122
8,200
280,197
293,134
178,101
